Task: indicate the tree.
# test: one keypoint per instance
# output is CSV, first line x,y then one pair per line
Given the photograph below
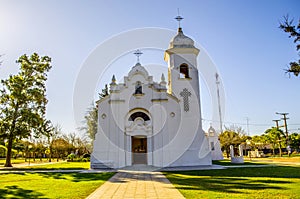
x,y
231,136
61,147
82,146
51,133
23,100
294,140
20,146
3,150
276,138
91,117
294,32
91,122
71,138
258,142
40,149
78,145
28,148
104,92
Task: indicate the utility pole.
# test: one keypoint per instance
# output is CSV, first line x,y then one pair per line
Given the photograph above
x,y
219,103
285,125
247,119
277,125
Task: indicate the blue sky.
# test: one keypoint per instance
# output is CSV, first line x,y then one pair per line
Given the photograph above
x,y
241,37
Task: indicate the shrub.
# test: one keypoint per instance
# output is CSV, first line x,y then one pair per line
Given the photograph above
x,y
86,155
71,156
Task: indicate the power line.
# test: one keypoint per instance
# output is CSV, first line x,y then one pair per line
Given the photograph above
x,y
245,124
237,123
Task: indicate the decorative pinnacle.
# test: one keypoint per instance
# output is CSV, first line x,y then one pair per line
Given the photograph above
x,y
163,79
138,53
113,79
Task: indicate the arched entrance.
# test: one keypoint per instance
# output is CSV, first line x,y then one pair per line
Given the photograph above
x,y
139,149
138,131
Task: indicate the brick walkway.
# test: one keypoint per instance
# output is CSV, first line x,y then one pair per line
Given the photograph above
x,y
137,184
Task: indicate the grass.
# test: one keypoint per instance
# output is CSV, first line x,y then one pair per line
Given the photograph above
x,y
259,182
227,162
295,159
50,185
54,166
61,166
22,160
261,161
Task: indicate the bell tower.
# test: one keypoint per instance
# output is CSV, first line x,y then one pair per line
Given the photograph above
x,y
183,83
183,80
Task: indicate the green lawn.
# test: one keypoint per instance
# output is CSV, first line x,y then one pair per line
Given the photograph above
x,y
62,165
17,161
261,161
55,166
50,185
227,162
261,182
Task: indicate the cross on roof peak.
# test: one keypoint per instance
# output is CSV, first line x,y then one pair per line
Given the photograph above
x,y
138,53
178,18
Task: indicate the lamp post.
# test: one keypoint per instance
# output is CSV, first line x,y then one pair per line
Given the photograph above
x,y
29,147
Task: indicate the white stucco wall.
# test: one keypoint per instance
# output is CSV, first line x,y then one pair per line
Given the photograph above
x,y
174,134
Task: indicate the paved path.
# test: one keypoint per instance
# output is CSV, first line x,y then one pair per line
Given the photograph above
x,y
137,184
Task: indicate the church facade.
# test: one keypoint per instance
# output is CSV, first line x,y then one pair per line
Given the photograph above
x,y
154,123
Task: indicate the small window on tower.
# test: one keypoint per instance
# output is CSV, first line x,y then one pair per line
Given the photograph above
x,y
184,71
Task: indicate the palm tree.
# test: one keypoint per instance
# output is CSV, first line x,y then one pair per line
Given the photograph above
x,y
275,137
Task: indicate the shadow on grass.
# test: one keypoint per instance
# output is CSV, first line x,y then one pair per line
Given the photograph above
x,y
272,172
235,180
41,168
78,177
228,163
19,193
224,185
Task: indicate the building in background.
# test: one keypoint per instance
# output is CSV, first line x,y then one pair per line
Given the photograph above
x,y
214,144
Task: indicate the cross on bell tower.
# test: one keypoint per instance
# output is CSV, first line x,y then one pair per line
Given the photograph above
x,y
178,18
185,94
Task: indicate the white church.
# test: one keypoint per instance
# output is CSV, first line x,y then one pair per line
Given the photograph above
x,y
154,123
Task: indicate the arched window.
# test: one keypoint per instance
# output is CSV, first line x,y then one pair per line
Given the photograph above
x,y
184,71
138,88
139,114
